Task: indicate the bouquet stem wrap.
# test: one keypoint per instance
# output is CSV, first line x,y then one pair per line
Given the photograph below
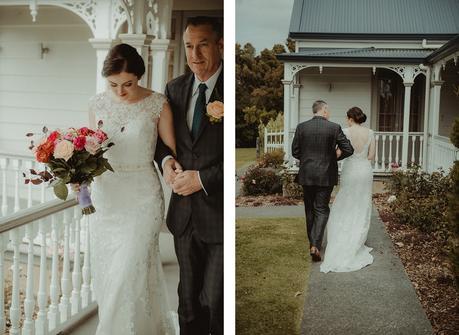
x,y
84,199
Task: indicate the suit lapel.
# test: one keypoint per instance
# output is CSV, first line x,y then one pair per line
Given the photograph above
x,y
217,94
183,117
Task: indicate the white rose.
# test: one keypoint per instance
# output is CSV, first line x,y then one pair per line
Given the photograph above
x,y
92,145
391,199
64,149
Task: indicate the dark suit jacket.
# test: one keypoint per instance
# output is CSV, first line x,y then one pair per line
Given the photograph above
x,y
314,145
205,154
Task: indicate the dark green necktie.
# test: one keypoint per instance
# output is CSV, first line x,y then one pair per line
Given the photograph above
x,y
199,110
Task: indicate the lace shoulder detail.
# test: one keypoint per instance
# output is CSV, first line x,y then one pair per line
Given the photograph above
x,y
156,101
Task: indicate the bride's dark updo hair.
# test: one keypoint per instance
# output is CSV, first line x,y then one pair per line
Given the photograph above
x,y
356,114
123,58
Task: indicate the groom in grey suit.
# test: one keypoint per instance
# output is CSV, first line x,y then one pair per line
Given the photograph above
x,y
318,144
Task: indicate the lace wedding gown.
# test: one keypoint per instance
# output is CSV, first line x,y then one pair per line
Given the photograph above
x,y
350,215
128,278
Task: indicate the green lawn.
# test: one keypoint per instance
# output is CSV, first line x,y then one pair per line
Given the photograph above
x,y
272,264
245,156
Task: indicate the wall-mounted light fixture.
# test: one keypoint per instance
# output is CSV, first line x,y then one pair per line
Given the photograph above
x,y
44,50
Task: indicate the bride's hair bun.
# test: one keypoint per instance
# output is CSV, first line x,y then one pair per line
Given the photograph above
x,y
123,58
356,114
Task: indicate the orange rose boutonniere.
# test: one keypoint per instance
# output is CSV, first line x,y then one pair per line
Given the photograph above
x,y
215,111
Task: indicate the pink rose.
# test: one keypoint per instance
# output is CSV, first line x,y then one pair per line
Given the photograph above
x,y
64,149
85,131
100,135
215,111
79,142
92,145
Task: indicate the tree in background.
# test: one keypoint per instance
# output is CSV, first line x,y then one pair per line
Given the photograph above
x,y
259,90
454,206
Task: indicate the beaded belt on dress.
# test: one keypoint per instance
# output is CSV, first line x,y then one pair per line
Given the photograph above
x,y
131,167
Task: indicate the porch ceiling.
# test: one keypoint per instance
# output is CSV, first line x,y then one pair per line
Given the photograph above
x,y
359,55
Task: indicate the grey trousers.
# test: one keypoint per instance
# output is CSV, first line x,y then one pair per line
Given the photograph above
x,y
316,200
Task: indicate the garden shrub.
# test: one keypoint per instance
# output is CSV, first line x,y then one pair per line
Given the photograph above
x,y
290,188
273,159
422,200
453,210
261,181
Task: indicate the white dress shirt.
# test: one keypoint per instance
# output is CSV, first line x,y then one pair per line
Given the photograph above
x,y
210,83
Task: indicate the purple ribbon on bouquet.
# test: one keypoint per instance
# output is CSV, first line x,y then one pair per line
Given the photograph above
x,y
84,199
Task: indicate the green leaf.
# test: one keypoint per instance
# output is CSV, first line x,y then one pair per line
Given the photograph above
x,y
60,190
108,166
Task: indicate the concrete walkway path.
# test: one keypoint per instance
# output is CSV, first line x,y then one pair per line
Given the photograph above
x,y
378,299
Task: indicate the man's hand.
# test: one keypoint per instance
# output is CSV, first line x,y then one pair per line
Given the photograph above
x,y
186,183
170,171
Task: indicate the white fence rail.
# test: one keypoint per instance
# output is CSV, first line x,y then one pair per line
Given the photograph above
x,y
444,153
388,148
14,193
55,290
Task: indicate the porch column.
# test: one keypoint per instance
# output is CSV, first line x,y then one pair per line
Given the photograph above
x,y
160,64
102,46
436,92
287,97
294,114
406,123
142,43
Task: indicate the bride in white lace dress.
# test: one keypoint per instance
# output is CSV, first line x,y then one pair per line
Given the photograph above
x,y
128,279
350,216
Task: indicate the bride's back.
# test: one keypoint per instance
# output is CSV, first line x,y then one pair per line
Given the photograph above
x,y
362,141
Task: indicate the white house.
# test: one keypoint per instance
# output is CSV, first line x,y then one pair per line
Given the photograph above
x,y
51,54
397,60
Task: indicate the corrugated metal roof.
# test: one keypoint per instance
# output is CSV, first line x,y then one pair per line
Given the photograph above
x,y
375,17
380,55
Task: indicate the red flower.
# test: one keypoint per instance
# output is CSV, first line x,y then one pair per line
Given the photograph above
x,y
44,151
53,136
79,142
85,131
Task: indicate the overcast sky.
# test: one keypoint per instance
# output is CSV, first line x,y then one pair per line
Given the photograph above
x,y
262,22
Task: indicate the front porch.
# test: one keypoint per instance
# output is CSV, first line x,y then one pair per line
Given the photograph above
x,y
402,98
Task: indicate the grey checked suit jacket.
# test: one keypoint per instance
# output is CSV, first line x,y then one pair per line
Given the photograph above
x,y
314,145
205,154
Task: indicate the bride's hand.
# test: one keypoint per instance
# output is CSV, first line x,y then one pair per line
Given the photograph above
x,y
338,153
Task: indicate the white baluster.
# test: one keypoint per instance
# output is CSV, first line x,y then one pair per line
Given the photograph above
x,y
29,302
76,275
29,165
14,309
376,151
413,143
4,167
64,305
53,312
391,138
383,152
397,156
421,149
41,324
86,287
2,281
17,167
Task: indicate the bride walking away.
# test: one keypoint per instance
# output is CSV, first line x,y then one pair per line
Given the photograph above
x,y
350,215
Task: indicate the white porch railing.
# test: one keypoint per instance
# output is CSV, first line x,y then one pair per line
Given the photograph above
x,y
14,193
388,148
273,140
55,291
444,153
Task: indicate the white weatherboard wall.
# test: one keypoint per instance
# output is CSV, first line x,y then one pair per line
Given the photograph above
x,y
35,91
341,88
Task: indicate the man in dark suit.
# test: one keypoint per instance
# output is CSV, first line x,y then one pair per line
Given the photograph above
x,y
195,215
318,144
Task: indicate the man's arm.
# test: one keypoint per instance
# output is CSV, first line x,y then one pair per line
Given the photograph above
x,y
344,145
296,152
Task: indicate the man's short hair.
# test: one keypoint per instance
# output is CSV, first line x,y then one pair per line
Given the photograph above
x,y
215,22
318,106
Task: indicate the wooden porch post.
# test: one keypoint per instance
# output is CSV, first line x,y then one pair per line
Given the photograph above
x,y
160,64
287,98
102,46
406,124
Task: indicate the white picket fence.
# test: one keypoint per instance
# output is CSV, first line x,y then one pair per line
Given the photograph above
x,y
388,148
444,153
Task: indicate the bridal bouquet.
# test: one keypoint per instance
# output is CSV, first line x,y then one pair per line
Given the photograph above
x,y
74,156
